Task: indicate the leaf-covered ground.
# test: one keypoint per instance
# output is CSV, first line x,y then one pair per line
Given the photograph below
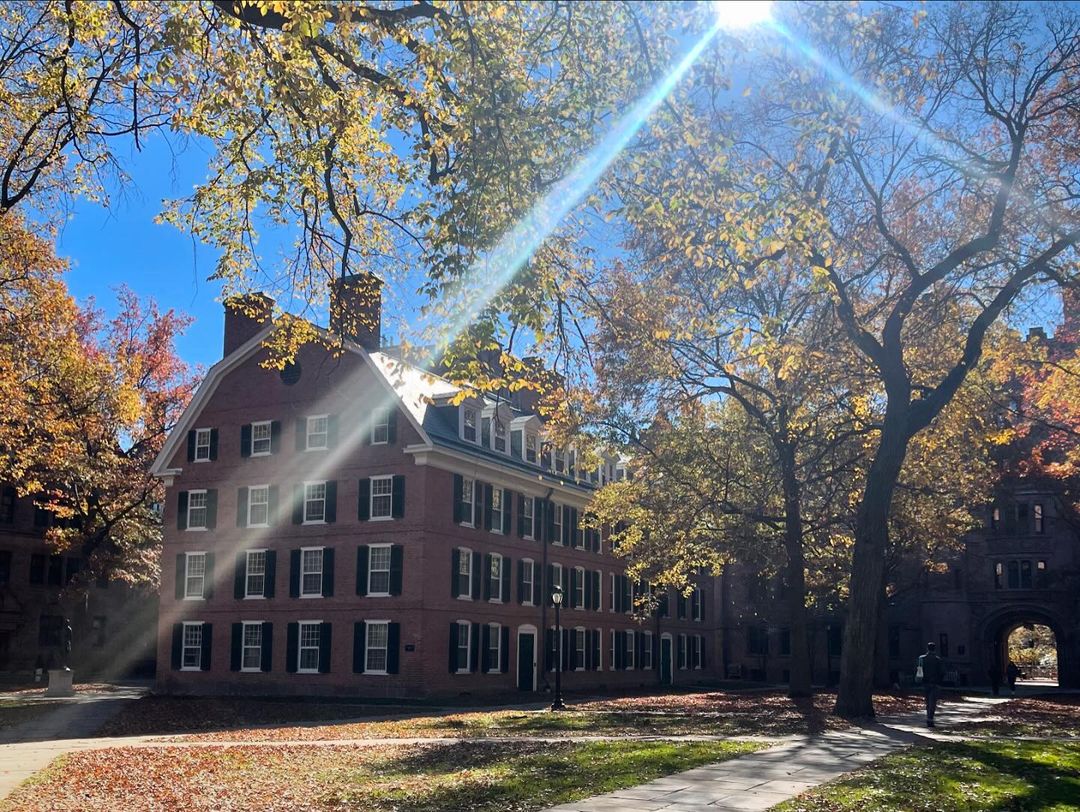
x,y
1050,715
960,777
479,777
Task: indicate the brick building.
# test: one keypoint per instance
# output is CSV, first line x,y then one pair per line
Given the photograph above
x,y
345,527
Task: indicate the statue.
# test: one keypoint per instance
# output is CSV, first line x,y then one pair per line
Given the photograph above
x,y
65,657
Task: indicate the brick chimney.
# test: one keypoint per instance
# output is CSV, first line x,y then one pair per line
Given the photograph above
x,y
245,316
356,309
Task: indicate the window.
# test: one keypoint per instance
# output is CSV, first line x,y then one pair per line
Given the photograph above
x,y
999,573
557,580
1022,517
1037,517
611,664
530,448
37,568
382,497
251,646
196,510
202,444
1025,575
527,516
528,569
260,438
556,524
611,592
378,569
698,646
375,652
258,506
467,501
380,429
317,428
578,598
194,575
7,504
311,572
191,652
255,574
464,639
314,502
464,574
757,640
497,506
499,435
628,639
468,424
697,603
309,639
579,649
495,578
785,642
943,644
995,518
560,461
494,647
5,567
646,651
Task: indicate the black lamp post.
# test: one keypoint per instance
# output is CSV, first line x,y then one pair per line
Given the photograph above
x,y
557,703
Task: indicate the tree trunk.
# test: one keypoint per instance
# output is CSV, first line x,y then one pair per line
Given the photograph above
x,y
799,677
855,694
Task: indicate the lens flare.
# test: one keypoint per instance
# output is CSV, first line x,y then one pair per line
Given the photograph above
x,y
732,14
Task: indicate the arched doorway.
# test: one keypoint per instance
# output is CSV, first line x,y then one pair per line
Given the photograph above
x,y
1020,625
1032,647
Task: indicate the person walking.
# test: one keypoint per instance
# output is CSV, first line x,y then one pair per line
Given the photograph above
x,y
1011,673
929,672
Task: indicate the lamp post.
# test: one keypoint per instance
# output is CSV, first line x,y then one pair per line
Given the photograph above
x,y
557,703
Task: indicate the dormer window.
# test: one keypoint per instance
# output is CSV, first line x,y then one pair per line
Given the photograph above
x,y
560,461
468,424
530,448
499,435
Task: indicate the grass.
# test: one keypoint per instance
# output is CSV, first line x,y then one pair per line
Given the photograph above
x,y
1052,715
13,712
477,777
963,777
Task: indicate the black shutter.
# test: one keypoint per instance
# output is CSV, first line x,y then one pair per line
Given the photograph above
x,y
521,582
478,503
177,644
272,505
207,646
597,656
245,440
588,589
701,645
572,597
359,647
485,648
474,653
538,586
575,536
391,430
301,437
397,498
639,648
507,564
455,565
550,508
476,576
213,443
458,506
397,568
393,644
324,648
330,511
294,574
328,572
241,507
521,514
234,652
363,500
550,582
271,574
507,512
361,569
453,648
504,649
620,650
567,539
181,571
486,575
267,660
331,431
275,437
298,503
208,579
588,650
191,446
292,641
549,649
487,506
181,510
240,576
211,508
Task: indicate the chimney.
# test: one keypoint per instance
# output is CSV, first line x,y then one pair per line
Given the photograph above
x,y
245,316
356,309
1036,333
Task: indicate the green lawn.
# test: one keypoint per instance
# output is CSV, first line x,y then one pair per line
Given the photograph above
x,y
478,777
961,777
14,712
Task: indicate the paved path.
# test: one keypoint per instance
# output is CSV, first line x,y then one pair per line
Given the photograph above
x,y
758,781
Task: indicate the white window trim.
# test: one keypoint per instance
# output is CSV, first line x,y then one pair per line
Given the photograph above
x,y
495,421
684,651
581,583
257,487
322,573
584,647
611,665
560,580
183,631
468,647
187,567
206,507
530,532
209,442
557,515
270,439
476,425
611,593
494,629
390,568
496,527
698,606
308,521
300,647
647,647
371,498
525,448
381,421
467,521
631,649
496,595
464,553
247,556
600,652
307,433
262,643
697,651
527,598
377,672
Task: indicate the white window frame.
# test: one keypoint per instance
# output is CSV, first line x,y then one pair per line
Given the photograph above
x,y
307,499
631,649
494,634
496,425
374,593
698,605
496,594
1038,518
389,496
535,448
647,652
308,433
528,510
300,647
558,460
467,519
556,524
251,489
244,646
497,524
528,584
190,624
248,594
559,577
465,412
268,439
380,428
303,571
199,444
580,586
368,648
464,554
611,665
600,646
188,558
611,592
205,507
464,669
684,651
580,650
697,651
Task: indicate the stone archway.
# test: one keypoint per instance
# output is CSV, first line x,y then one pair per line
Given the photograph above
x,y
996,628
